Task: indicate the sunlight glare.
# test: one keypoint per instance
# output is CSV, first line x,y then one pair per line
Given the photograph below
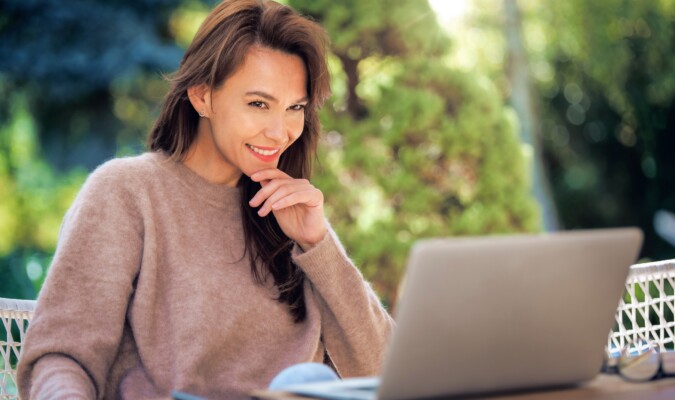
x,y
448,11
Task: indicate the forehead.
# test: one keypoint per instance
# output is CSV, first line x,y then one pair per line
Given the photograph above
x,y
279,74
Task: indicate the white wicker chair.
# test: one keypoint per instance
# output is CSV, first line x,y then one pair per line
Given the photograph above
x,y
15,315
646,311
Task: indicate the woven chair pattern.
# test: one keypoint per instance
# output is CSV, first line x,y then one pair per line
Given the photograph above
x,y
15,315
647,308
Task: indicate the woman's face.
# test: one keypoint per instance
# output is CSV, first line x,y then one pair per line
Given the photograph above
x,y
256,114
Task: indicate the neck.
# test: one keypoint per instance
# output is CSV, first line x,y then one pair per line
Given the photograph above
x,y
204,159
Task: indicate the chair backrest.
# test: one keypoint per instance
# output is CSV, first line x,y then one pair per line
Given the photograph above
x,y
647,310
15,316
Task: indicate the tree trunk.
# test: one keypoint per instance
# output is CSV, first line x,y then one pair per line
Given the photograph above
x,y
521,100
354,105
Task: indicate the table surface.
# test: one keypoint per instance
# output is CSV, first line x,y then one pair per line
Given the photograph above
x,y
603,387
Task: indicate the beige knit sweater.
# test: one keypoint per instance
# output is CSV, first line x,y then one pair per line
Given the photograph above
x,y
149,292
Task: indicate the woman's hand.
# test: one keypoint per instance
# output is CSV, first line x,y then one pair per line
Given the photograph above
x,y
296,204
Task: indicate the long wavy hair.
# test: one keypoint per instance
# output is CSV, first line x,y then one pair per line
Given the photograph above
x,y
218,49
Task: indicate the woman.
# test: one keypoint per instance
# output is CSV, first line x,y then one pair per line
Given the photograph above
x,y
206,265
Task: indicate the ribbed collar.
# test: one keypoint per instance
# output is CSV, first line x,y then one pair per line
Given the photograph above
x,y
218,195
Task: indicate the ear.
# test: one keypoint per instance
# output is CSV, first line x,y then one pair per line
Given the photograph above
x,y
200,98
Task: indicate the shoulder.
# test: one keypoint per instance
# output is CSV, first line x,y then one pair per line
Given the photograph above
x,y
114,190
124,168
121,177
126,171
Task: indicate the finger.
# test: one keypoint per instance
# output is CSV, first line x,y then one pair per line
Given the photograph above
x,y
272,186
268,187
285,191
269,174
309,197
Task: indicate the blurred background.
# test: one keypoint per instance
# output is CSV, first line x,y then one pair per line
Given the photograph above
x,y
448,118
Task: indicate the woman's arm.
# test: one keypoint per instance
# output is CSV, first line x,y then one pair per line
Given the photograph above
x,y
77,327
354,325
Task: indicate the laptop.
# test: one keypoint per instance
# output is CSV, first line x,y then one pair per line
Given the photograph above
x,y
494,314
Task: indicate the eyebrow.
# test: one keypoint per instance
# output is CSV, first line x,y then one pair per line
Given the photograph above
x,y
269,97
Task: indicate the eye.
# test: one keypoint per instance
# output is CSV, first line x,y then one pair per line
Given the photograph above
x,y
257,104
297,107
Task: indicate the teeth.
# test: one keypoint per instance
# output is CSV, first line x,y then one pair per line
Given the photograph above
x,y
263,152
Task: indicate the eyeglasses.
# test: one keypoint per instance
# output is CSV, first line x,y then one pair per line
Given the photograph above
x,y
642,361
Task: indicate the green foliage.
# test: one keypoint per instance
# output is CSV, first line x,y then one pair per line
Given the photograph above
x,y
71,96
604,91
430,151
32,206
363,28
609,110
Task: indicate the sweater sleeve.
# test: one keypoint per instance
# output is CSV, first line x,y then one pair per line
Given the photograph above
x,y
77,327
354,325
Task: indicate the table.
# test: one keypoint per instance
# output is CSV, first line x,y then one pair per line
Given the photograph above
x,y
603,387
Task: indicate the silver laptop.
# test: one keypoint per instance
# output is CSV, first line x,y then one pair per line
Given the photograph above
x,y
499,313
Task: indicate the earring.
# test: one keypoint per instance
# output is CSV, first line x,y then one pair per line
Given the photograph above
x,y
202,114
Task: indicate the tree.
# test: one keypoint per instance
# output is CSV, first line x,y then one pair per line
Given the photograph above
x,y
66,56
608,86
414,148
603,84
522,97
32,204
73,75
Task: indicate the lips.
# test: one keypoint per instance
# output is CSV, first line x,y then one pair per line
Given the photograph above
x,y
265,154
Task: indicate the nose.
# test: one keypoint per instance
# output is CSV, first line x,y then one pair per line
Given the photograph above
x,y
275,128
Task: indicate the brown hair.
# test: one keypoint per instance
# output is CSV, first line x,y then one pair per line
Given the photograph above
x,y
218,49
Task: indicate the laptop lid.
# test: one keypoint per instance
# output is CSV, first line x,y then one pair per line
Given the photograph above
x,y
500,313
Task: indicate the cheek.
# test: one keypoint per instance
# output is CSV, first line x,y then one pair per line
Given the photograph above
x,y
296,127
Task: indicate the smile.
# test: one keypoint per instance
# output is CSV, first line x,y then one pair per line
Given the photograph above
x,y
264,152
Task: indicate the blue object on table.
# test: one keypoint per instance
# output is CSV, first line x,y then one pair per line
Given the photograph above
x,y
176,395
